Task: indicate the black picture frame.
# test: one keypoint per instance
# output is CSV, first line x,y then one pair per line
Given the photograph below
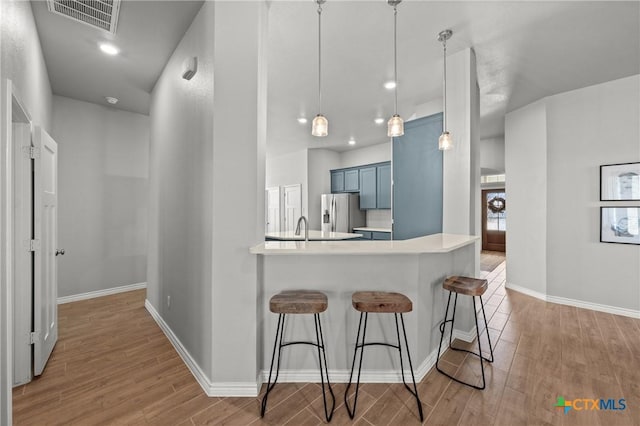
x,y
620,225
620,182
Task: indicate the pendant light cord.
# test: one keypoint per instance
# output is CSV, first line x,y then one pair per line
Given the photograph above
x,y
319,58
444,90
395,56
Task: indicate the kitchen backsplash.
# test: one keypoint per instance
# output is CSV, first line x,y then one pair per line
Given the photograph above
x,y
379,218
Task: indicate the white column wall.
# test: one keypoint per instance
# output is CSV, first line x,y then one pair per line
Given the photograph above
x,y
526,165
461,164
238,145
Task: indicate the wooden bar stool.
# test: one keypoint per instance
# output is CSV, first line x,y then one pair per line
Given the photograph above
x,y
380,302
299,302
471,287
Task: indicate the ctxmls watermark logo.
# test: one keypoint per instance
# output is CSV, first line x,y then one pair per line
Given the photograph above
x,y
587,404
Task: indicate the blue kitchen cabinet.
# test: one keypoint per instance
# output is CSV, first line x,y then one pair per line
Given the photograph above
x,y
352,180
337,181
375,235
368,188
417,179
383,187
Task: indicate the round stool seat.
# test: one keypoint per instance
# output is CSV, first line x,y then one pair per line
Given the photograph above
x,y
298,302
466,285
381,301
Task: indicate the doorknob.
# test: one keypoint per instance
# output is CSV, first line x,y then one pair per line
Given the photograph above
x,y
60,252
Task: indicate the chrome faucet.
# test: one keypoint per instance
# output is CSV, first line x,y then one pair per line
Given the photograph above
x,y
306,228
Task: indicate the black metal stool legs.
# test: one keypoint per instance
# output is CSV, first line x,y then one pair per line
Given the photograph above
x,y
353,364
322,359
320,345
361,345
414,392
479,354
276,344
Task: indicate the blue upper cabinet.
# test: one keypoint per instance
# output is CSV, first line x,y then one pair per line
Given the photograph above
x,y
384,187
368,188
372,181
352,180
417,179
337,181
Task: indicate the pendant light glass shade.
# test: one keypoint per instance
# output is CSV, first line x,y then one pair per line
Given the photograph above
x,y
445,141
320,126
395,126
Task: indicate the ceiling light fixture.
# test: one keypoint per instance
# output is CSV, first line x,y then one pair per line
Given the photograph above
x,y
395,125
445,141
109,49
390,85
320,125
379,120
111,100
302,120
352,141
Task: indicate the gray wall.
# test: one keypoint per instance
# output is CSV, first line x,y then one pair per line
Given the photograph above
x,y
21,61
103,177
207,191
586,128
526,165
181,190
554,148
492,156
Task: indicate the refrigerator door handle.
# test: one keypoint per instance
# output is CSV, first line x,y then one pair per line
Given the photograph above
x,y
333,214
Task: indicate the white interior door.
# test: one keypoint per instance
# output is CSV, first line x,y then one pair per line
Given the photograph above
x,y
22,258
45,285
273,210
292,206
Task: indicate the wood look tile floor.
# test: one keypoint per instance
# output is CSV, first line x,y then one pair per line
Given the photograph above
x,y
113,365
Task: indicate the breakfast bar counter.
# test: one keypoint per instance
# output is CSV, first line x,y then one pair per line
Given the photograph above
x,y
415,267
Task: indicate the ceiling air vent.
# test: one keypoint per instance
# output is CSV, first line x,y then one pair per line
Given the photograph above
x,y
102,14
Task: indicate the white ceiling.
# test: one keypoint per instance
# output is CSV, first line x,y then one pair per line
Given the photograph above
x,y
524,50
147,34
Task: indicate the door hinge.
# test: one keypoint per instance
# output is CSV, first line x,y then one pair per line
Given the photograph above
x,y
34,152
34,245
33,337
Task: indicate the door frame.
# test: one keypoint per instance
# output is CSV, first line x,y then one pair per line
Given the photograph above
x,y
11,104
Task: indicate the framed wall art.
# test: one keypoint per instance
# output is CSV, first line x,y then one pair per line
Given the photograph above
x,y
620,225
620,182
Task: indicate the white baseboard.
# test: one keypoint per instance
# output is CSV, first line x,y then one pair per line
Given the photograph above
x,y
576,303
100,293
220,389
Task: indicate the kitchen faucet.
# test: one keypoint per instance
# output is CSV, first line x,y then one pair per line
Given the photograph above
x,y
306,228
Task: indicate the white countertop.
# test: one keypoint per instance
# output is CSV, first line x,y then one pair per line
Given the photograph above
x,y
437,243
313,236
365,228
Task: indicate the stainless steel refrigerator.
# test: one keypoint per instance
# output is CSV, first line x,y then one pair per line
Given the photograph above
x,y
341,213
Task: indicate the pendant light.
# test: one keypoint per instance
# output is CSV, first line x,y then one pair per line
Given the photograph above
x,y
320,125
395,125
445,141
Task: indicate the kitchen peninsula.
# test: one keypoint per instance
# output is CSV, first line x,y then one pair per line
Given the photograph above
x,y
414,267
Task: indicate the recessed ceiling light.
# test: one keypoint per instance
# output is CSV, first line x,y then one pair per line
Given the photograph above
x,y
390,85
109,49
111,100
379,120
302,120
352,141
